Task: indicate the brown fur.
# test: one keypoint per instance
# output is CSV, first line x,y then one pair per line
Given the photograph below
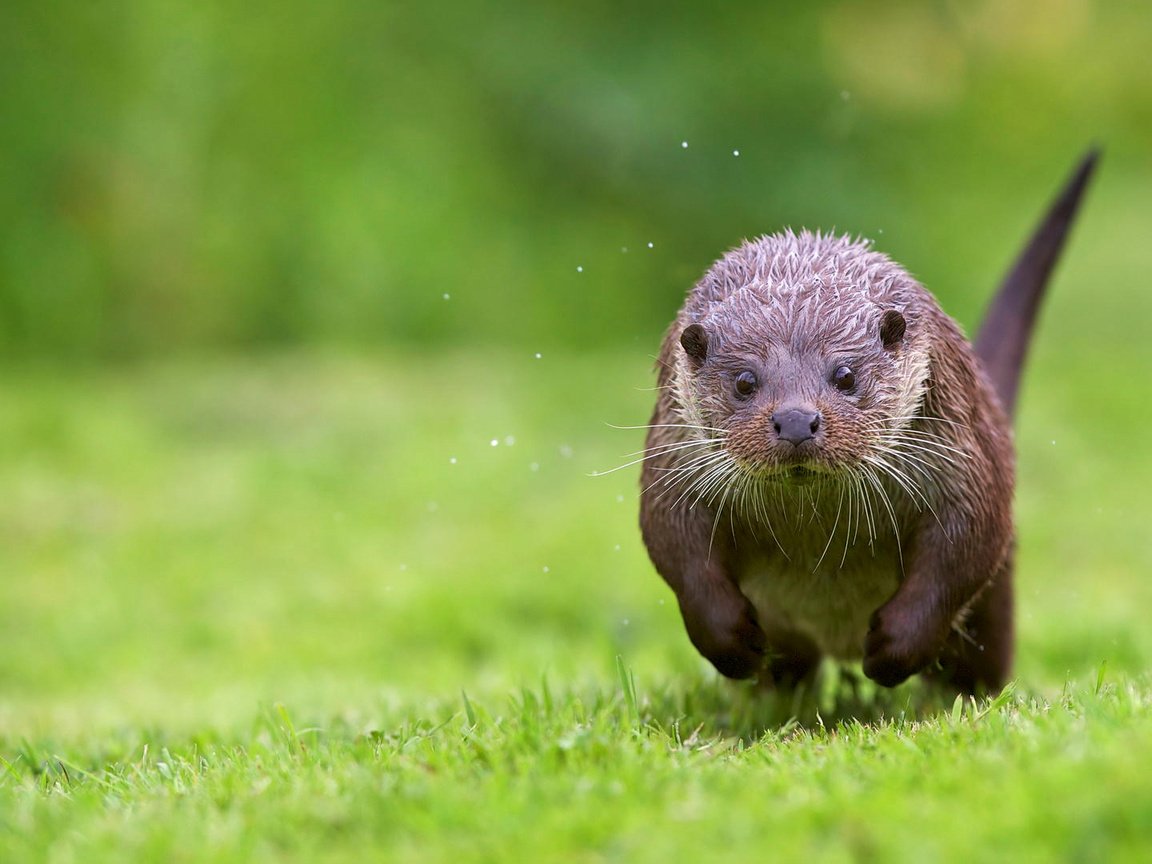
x,y
870,515
780,553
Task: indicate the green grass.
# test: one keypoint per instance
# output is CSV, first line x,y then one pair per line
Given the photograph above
x,y
254,609
543,775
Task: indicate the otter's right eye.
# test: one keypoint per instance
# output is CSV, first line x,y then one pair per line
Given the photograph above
x,y
745,384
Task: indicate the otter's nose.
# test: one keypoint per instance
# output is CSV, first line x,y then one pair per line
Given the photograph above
x,y
795,424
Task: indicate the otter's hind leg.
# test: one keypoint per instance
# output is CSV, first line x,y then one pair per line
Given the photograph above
x,y
793,658
978,657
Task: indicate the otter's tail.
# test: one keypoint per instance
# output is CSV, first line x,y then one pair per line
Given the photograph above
x,y
1002,342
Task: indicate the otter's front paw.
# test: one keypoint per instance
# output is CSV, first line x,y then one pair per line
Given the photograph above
x,y
726,632
897,647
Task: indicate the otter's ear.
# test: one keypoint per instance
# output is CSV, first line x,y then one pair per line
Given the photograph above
x,y
694,338
892,327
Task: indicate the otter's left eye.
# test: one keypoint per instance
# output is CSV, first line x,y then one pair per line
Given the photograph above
x,y
844,378
745,384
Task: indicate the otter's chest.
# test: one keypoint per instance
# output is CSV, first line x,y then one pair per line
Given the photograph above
x,y
831,603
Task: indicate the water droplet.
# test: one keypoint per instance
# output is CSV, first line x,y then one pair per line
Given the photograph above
x,y
660,601
545,568
579,269
1053,442
616,548
651,245
447,296
624,249
565,451
684,144
619,499
625,622
494,442
535,466
509,440
735,152
403,568
452,460
538,355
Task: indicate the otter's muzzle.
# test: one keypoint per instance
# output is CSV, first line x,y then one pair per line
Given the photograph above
x,y
796,425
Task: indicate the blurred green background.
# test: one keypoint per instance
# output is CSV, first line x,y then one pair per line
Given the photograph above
x,y
190,176
274,279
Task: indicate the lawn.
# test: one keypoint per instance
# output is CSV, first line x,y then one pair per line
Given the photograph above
x,y
329,607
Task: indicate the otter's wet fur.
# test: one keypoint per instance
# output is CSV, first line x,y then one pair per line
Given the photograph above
x,y
829,467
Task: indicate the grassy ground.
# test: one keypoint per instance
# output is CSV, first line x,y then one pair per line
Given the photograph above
x,y
303,608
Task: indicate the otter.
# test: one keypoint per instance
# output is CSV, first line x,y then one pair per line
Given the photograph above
x,y
829,468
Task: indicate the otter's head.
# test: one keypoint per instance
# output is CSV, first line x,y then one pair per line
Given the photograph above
x,y
803,354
